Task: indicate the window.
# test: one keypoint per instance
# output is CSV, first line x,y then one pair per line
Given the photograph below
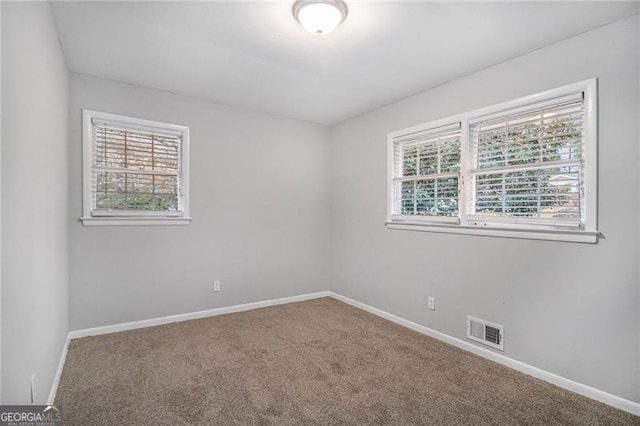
x,y
135,172
426,172
524,168
527,167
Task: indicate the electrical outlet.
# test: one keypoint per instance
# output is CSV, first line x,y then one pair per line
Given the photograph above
x,y
33,388
216,285
431,303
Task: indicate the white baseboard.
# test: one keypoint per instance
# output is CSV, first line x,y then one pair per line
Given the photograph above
x,y
192,315
593,393
56,378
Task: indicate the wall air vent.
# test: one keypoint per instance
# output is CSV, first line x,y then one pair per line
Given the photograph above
x,y
485,332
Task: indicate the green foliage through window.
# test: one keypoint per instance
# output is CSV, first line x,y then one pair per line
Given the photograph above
x,y
429,168
530,165
135,170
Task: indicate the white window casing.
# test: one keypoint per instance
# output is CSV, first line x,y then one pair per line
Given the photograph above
x,y
135,171
527,169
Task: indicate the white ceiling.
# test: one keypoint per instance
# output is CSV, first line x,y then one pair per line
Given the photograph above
x,y
255,55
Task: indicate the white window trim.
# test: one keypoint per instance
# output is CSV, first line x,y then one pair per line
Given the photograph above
x,y
465,224
122,218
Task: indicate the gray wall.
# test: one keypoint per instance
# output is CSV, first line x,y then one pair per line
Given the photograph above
x,y
638,137
571,309
0,205
34,200
259,203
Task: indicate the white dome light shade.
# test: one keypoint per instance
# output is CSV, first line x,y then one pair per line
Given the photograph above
x,y
320,17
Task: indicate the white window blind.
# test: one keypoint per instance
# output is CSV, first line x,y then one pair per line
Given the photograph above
x,y
134,169
526,166
426,168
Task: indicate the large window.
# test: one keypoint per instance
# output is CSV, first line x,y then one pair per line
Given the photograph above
x,y
524,168
135,171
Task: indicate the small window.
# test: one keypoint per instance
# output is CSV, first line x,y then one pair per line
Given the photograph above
x,y
135,171
426,172
526,168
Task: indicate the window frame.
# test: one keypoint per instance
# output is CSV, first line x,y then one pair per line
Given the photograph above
x,y
92,217
509,228
434,127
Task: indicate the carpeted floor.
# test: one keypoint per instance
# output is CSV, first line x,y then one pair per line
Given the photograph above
x,y
315,362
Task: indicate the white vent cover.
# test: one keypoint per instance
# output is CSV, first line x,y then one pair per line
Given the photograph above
x,y
485,332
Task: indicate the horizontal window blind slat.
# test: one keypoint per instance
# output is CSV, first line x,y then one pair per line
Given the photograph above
x,y
525,167
562,119
137,148
114,125
426,177
453,129
557,102
116,145
134,213
135,171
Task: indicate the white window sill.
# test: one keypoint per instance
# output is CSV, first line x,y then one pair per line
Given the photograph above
x,y
575,236
134,221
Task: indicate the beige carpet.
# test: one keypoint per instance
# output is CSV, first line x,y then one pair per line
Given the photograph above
x,y
315,362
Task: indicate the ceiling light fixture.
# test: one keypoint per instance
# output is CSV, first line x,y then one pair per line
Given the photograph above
x,y
320,17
